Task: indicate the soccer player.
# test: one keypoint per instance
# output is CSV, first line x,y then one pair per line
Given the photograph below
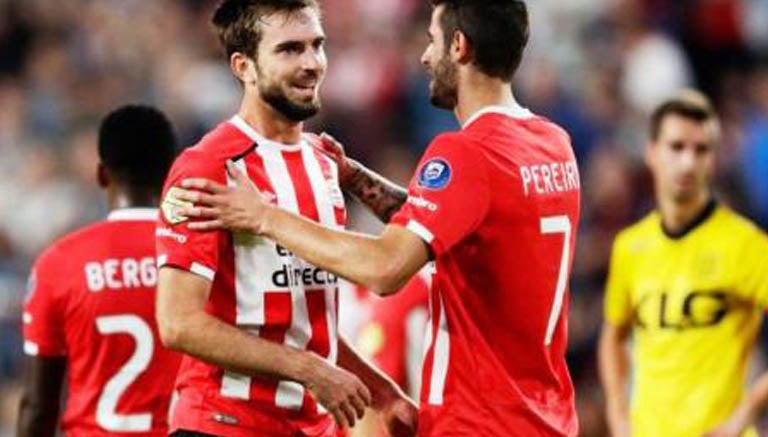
x,y
89,313
689,284
496,204
258,324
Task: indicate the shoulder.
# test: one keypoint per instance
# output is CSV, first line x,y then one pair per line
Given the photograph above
x,y
207,157
636,233
732,224
70,247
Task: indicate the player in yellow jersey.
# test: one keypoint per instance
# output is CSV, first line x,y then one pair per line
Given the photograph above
x,y
689,284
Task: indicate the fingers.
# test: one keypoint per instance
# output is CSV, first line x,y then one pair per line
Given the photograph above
x,y
359,406
204,185
349,413
199,212
240,178
211,225
364,394
339,416
198,197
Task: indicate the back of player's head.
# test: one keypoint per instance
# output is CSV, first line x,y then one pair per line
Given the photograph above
x,y
238,22
690,104
497,31
137,144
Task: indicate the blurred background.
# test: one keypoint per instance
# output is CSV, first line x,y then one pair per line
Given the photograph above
x,y
595,66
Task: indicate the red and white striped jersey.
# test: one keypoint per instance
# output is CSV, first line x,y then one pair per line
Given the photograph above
x,y
257,285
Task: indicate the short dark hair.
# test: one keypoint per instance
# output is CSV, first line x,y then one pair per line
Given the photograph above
x,y
496,29
137,144
237,21
689,104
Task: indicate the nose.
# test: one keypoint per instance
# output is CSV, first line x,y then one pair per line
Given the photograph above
x,y
312,60
425,57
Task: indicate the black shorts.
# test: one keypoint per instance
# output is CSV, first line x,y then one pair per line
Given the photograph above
x,y
183,433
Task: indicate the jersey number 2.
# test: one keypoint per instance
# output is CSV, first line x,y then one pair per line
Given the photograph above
x,y
139,330
560,224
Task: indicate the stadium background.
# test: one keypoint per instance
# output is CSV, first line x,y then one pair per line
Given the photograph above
x,y
594,66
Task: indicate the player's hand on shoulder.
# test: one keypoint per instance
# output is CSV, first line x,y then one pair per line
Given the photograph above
x,y
339,391
333,149
238,208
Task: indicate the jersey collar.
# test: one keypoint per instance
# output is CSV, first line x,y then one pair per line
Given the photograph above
x,y
242,125
514,111
133,214
705,214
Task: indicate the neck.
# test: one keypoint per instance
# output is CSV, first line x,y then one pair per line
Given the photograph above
x,y
676,216
477,91
119,198
270,123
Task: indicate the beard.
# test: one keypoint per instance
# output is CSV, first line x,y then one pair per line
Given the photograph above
x,y
293,109
444,87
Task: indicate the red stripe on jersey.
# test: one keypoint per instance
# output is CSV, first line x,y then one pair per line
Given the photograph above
x,y
316,307
255,166
325,165
302,187
277,320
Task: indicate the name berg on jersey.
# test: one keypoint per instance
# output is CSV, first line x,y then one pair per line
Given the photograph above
x,y
291,275
548,178
118,274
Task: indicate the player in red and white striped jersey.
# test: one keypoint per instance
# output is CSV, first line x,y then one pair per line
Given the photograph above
x,y
257,323
90,309
496,205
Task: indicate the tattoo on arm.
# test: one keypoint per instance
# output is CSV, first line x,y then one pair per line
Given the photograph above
x,y
382,197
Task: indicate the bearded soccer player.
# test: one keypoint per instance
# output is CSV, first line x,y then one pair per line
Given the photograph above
x,y
689,283
90,311
496,204
258,324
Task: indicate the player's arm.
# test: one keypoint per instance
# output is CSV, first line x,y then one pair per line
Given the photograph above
x,y
382,196
397,410
186,327
41,392
614,366
383,264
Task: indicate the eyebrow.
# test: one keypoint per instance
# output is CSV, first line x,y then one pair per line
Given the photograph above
x,y
298,43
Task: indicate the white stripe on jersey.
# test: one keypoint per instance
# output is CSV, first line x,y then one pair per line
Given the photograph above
x,y
440,358
289,394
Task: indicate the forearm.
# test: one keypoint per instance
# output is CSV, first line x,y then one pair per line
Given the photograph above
x,y
756,399
39,406
614,375
381,386
213,341
383,197
359,258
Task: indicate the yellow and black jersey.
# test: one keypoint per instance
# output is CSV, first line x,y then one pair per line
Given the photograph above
x,y
695,301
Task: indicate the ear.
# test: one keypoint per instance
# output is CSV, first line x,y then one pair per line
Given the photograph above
x,y
649,154
102,176
243,68
461,50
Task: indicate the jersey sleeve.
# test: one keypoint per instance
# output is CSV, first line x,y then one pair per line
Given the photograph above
x,y
754,263
618,301
44,308
177,245
448,197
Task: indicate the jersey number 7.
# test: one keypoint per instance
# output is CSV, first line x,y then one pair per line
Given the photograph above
x,y
560,224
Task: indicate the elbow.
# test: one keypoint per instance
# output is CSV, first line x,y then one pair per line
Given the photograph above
x,y
171,330
386,280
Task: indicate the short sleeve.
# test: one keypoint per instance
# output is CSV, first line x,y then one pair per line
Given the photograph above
x,y
449,196
754,263
177,245
618,293
44,308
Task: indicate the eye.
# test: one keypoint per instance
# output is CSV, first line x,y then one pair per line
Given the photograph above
x,y
677,146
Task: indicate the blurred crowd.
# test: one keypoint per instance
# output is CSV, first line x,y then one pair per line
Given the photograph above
x,y
595,66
